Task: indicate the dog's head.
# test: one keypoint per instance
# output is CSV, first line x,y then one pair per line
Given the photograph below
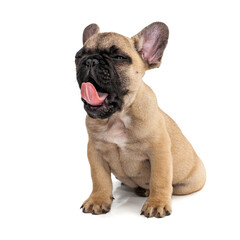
x,y
110,66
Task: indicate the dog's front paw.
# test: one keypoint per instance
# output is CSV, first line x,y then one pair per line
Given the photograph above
x,y
156,208
97,203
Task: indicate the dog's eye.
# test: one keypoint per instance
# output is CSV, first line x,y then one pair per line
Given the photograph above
x,y
118,57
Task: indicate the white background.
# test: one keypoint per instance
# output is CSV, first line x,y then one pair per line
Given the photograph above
x,y
44,171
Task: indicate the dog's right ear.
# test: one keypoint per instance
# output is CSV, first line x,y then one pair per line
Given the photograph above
x,y
89,31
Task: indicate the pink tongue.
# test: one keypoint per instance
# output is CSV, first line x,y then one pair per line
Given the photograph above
x,y
90,94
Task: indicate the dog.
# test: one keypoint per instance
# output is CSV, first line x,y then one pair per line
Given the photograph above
x,y
129,135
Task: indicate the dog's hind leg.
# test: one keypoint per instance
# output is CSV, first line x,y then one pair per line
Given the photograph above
x,y
142,192
193,183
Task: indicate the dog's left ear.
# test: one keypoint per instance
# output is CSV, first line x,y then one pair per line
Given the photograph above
x,y
151,42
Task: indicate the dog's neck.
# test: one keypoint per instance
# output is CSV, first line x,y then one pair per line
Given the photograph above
x,y
121,126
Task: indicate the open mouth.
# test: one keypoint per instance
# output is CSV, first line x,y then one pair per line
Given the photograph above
x,y
90,94
93,94
98,102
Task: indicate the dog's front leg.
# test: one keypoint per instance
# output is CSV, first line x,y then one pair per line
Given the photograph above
x,y
101,197
158,203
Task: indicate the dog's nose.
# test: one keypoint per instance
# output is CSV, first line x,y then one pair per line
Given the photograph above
x,y
91,62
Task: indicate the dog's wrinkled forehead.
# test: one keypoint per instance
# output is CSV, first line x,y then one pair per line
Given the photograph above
x,y
104,41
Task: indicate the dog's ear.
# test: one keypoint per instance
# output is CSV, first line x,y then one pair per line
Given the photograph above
x,y
151,42
89,31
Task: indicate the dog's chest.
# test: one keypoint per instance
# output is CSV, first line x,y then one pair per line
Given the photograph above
x,y
125,156
116,131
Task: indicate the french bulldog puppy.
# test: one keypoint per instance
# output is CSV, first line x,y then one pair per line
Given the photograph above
x,y
129,135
